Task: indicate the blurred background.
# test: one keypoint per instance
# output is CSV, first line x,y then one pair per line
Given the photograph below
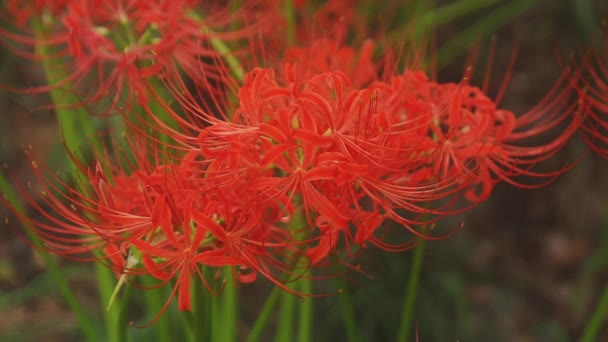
x,y
528,265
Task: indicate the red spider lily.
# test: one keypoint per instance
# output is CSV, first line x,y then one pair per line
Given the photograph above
x,y
176,253
123,43
250,232
329,16
169,219
326,17
22,11
218,235
76,220
480,143
325,55
325,137
318,140
330,135
592,86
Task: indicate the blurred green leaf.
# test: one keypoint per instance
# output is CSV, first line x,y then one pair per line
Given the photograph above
x,y
482,28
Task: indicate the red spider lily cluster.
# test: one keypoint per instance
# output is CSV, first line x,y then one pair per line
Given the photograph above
x,y
593,87
122,43
318,135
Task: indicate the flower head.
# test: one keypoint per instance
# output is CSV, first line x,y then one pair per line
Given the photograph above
x,y
590,79
355,150
122,44
295,163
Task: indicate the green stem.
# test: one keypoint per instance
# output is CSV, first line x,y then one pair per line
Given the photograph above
x,y
221,47
305,309
264,315
189,327
411,292
285,328
122,319
348,310
69,120
155,300
72,117
290,18
229,307
286,318
483,27
207,303
224,311
231,60
216,319
431,18
598,318
75,121
106,283
196,329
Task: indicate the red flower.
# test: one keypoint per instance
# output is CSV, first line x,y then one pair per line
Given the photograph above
x,y
123,43
322,135
77,220
482,144
326,132
210,232
591,82
326,55
22,11
324,144
166,221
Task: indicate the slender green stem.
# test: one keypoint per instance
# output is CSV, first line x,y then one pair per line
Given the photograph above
x,y
68,119
222,48
348,310
123,317
431,18
84,320
207,303
233,62
224,311
485,26
264,315
106,283
75,121
305,309
196,328
229,307
73,118
411,292
155,300
290,18
216,320
286,318
289,302
190,330
598,318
